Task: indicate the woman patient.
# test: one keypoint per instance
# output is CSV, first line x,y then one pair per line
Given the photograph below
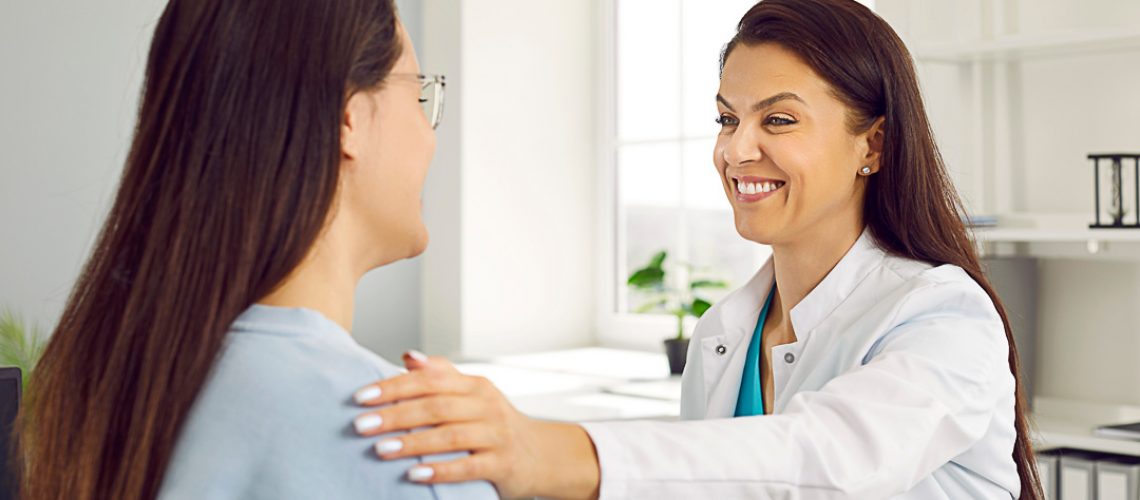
x,y
280,153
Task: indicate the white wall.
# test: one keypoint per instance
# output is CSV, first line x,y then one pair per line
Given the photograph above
x,y
1089,340
519,175
70,74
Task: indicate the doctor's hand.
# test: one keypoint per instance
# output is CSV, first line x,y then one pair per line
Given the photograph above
x,y
520,455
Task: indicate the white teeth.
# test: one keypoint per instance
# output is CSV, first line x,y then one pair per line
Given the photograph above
x,y
761,187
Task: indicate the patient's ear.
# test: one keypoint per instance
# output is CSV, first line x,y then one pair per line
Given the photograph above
x,y
357,111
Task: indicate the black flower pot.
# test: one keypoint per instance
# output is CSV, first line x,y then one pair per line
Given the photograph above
x,y
676,350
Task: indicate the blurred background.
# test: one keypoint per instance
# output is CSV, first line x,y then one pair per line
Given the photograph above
x,y
576,146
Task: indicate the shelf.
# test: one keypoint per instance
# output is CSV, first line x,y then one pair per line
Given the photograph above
x,y
1070,424
1035,235
1065,434
1052,228
1029,46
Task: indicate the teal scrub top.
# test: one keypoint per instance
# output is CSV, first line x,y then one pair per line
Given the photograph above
x,y
751,399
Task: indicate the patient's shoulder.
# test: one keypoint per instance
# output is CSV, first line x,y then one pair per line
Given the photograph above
x,y
274,421
282,370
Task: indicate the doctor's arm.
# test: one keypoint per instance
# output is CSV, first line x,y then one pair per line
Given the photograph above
x,y
926,394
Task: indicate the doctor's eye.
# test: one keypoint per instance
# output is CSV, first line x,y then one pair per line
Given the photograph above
x,y
726,121
779,120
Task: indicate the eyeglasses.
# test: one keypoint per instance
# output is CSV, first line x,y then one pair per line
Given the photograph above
x,y
431,96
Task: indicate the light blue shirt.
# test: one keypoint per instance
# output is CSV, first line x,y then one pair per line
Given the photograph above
x,y
274,420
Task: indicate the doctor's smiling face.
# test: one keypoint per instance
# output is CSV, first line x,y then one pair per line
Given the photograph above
x,y
787,155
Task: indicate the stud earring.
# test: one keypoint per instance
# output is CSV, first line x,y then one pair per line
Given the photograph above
x,y
865,171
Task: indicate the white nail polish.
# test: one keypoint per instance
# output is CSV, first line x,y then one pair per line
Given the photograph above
x,y
389,446
418,356
420,473
366,394
365,423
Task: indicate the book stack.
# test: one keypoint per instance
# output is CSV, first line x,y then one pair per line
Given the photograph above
x,y
980,220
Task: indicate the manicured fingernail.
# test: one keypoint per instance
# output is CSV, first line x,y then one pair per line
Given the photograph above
x,y
366,394
420,473
389,446
365,423
418,356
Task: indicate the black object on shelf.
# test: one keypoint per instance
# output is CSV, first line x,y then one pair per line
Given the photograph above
x,y
1116,202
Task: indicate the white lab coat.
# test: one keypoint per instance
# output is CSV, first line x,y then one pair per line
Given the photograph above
x,y
898,386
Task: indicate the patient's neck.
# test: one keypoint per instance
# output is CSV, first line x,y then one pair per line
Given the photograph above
x,y
324,282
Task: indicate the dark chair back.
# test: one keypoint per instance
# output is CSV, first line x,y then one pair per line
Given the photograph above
x,y
10,388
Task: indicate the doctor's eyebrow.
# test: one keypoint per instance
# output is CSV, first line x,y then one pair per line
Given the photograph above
x,y
782,96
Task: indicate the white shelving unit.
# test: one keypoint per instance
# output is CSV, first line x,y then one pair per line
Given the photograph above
x,y
988,81
987,66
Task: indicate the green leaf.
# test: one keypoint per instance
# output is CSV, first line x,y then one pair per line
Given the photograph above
x,y
20,346
658,260
649,277
649,306
708,284
699,307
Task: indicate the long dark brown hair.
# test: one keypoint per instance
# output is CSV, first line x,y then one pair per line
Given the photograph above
x,y
230,179
911,206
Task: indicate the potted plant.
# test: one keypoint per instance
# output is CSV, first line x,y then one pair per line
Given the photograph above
x,y
677,297
20,344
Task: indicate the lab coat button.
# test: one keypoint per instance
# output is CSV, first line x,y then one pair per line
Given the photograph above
x,y
721,349
789,358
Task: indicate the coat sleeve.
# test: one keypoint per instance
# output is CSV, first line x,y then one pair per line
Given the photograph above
x,y
926,393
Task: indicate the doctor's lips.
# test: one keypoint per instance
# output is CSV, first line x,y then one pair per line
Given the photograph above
x,y
749,189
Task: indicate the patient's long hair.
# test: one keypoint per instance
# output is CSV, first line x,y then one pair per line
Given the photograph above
x,y
230,178
911,207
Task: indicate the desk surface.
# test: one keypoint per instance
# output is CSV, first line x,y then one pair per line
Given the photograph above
x,y
585,384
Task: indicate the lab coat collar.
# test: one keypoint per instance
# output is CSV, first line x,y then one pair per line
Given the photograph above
x,y
863,257
740,310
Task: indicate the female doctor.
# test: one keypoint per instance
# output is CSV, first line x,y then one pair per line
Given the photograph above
x,y
869,358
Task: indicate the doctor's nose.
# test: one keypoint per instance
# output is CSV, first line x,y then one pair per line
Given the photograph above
x,y
742,148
